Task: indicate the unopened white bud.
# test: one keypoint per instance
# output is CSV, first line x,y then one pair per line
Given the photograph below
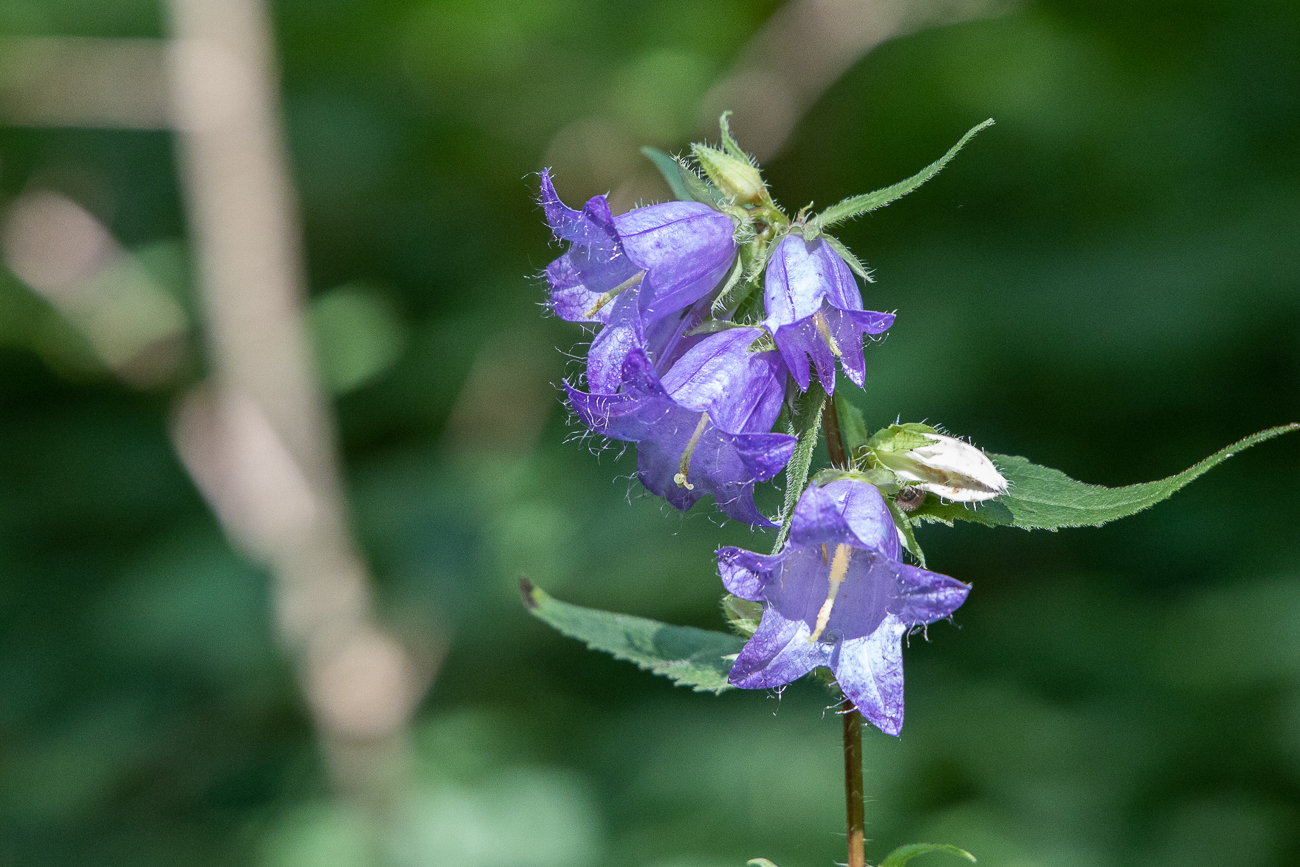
x,y
952,468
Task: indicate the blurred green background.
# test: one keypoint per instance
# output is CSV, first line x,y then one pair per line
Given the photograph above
x,y
1106,282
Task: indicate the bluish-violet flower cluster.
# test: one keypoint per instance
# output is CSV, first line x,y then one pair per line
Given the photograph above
x,y
697,382
710,315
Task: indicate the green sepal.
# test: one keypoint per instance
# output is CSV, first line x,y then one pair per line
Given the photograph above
x,y
844,253
903,854
735,277
685,184
881,478
698,658
713,326
741,614
1040,498
729,143
805,421
901,437
856,206
906,530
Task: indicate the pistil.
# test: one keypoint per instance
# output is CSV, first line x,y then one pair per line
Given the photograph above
x,y
611,294
685,465
824,329
839,568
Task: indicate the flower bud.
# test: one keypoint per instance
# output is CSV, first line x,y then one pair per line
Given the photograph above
x,y
737,179
943,465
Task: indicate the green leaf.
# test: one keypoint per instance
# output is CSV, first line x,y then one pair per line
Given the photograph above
x,y
853,426
685,184
903,854
1041,498
856,206
806,420
687,656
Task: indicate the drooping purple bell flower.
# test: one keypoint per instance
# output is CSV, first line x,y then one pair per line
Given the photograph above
x,y
677,251
704,427
814,309
837,596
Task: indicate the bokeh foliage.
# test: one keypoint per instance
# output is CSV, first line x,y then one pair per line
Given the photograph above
x,y
1105,282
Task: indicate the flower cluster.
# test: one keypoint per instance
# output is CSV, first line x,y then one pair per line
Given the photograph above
x,y
683,364
710,314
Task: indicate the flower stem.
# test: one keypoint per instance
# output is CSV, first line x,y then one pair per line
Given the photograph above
x,y
834,439
853,785
857,823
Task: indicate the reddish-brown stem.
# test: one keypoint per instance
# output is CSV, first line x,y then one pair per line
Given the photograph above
x,y
853,784
834,439
852,718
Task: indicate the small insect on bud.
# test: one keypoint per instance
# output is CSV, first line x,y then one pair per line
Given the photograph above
x,y
940,464
910,498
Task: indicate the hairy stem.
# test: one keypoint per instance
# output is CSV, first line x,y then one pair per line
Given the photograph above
x,y
853,785
852,718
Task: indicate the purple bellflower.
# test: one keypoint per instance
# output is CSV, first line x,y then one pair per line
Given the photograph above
x,y
814,309
704,427
677,251
837,596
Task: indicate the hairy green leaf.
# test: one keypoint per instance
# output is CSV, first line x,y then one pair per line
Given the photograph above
x,y
856,206
852,425
903,854
1041,498
687,656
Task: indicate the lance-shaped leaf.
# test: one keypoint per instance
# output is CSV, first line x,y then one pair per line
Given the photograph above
x,y
1040,498
685,184
856,206
687,656
903,854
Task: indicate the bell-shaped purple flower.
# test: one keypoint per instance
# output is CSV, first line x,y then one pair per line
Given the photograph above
x,y
704,428
814,309
677,251
837,596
